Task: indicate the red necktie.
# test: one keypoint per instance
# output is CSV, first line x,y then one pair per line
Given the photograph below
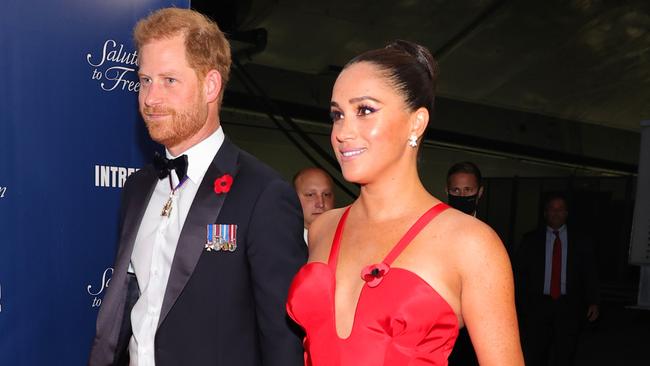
x,y
556,267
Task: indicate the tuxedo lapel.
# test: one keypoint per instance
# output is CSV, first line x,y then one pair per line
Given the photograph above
x,y
110,318
204,210
134,213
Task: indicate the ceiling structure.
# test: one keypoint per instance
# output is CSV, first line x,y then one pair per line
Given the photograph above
x,y
580,60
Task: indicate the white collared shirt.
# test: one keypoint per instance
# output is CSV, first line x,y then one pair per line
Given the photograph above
x,y
550,240
156,242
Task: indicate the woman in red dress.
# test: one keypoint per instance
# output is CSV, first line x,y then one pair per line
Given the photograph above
x,y
393,276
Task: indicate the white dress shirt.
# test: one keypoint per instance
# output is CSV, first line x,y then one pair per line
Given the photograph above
x,y
550,240
156,242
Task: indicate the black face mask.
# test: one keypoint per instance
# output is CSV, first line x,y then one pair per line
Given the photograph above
x,y
466,204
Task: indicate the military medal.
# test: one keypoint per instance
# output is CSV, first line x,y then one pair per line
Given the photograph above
x,y
212,239
167,208
221,237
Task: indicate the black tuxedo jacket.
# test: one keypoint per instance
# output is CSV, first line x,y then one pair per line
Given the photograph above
x,y
581,275
220,308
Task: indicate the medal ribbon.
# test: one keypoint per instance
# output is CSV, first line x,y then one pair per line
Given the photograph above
x,y
167,208
178,185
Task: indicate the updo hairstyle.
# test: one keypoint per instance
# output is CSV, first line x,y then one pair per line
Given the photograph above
x,y
410,68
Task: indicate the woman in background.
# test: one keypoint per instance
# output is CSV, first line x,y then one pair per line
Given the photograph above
x,y
393,276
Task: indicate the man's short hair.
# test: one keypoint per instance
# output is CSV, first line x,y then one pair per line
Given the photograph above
x,y
466,167
552,196
302,171
206,47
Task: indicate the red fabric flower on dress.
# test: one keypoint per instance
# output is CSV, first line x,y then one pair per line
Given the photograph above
x,y
222,184
374,273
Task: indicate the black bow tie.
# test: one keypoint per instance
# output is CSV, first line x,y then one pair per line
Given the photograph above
x,y
164,166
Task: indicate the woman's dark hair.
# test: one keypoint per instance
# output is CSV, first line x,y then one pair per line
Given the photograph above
x,y
410,68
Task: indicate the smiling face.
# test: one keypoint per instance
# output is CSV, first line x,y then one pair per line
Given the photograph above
x,y
171,98
371,125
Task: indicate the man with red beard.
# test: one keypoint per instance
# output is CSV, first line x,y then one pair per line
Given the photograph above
x,y
210,237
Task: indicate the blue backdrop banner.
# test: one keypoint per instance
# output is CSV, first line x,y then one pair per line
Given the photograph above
x,y
70,134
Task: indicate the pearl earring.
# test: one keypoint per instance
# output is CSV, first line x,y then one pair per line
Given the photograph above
x,y
413,140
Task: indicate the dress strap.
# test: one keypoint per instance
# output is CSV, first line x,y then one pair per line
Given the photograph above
x,y
336,243
413,231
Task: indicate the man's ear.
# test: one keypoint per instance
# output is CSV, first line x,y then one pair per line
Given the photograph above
x,y
480,193
212,85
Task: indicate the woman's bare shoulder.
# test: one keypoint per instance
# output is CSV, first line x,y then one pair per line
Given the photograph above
x,y
321,234
470,238
480,254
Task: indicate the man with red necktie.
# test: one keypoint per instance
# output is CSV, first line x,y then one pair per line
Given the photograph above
x,y
556,287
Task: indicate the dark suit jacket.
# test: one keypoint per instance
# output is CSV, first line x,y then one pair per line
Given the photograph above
x,y
220,308
529,267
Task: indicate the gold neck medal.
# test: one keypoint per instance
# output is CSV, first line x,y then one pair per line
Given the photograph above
x,y
167,208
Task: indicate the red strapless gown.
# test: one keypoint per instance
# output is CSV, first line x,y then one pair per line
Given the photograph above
x,y
399,319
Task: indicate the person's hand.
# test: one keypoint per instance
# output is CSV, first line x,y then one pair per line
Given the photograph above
x,y
592,312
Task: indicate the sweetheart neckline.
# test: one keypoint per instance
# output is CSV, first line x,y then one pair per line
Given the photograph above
x,y
356,307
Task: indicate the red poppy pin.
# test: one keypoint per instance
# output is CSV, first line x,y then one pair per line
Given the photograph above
x,y
373,274
222,184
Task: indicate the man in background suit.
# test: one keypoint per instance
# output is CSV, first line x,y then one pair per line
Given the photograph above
x,y
315,190
556,287
464,187
464,190
210,237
